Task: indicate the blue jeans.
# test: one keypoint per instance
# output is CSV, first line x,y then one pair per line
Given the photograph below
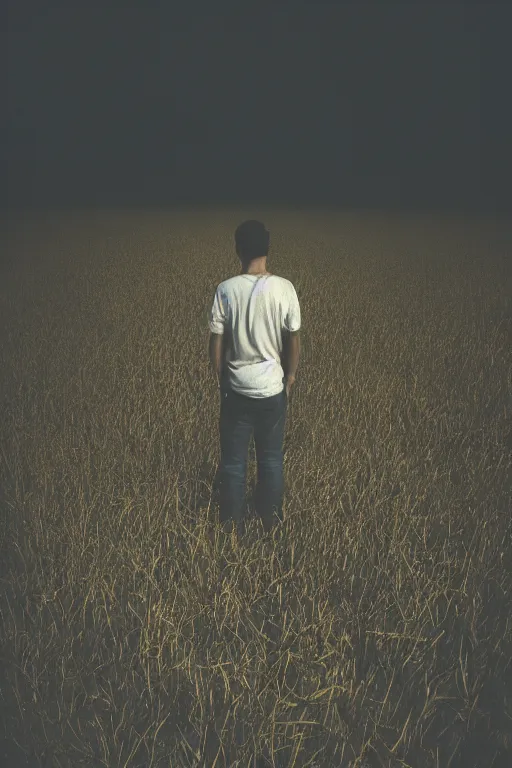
x,y
240,417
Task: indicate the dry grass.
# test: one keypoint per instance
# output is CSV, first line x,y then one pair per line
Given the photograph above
x,y
374,627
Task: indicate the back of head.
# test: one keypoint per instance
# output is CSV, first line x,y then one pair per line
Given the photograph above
x,y
252,239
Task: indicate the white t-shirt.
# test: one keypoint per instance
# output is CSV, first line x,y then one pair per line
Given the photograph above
x,y
253,310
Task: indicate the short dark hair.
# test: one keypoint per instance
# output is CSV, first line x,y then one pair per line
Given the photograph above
x,y
252,239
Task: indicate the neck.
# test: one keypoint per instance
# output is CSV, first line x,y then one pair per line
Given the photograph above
x,y
255,267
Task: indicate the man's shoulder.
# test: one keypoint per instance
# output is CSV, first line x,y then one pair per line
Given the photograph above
x,y
229,282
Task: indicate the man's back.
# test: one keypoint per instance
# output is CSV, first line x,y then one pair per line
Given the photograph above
x,y
253,312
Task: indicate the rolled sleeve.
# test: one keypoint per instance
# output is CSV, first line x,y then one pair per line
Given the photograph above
x,y
219,313
292,319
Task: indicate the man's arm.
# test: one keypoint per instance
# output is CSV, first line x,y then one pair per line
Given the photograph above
x,y
216,354
291,354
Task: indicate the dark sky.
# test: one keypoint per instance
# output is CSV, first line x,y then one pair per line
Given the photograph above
x,y
360,104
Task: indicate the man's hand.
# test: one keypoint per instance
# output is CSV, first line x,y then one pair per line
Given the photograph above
x,y
289,381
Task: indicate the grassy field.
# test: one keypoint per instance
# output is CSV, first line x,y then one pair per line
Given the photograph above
x,y
373,628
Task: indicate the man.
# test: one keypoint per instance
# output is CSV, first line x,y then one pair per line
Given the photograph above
x,y
254,351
